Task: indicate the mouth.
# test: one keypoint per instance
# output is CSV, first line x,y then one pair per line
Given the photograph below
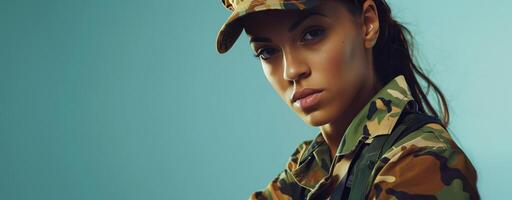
x,y
297,95
306,98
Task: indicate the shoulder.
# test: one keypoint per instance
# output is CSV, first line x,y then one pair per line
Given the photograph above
x,y
430,139
426,163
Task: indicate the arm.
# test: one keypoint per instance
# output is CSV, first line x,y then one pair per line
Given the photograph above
x,y
426,172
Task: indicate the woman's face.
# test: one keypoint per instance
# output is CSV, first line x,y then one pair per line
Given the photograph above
x,y
325,49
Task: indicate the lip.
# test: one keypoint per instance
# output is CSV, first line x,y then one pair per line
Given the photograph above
x,y
304,93
308,103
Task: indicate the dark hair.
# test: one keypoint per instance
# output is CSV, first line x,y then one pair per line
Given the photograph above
x,y
393,56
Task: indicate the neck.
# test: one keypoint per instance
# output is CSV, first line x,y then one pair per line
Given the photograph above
x,y
333,132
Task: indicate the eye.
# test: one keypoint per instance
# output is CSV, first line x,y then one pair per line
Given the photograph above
x,y
266,53
312,34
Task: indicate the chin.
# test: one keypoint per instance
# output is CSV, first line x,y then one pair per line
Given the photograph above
x,y
316,118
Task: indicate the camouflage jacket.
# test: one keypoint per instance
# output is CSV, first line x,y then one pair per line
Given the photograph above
x,y
426,164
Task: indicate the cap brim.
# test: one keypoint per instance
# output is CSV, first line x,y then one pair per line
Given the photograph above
x,y
232,29
229,33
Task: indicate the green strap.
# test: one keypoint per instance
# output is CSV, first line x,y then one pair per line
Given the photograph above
x,y
362,168
361,173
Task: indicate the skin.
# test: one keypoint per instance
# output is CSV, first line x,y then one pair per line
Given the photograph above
x,y
330,50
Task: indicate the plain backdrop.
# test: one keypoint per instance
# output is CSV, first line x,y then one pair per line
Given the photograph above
x,y
111,99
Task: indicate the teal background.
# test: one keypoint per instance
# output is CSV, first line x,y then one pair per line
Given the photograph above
x,y
129,100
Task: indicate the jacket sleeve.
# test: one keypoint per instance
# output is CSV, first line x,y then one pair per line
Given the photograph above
x,y
423,169
284,186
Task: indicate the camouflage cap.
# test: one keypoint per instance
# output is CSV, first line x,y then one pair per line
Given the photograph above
x,y
232,29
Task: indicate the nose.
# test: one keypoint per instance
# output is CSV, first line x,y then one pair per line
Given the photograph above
x,y
294,67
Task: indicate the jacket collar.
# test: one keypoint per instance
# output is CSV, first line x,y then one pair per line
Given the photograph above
x,y
378,117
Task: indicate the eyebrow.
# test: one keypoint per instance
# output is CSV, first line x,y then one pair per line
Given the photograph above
x,y
292,27
303,18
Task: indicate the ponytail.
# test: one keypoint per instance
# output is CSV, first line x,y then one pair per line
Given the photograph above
x,y
392,56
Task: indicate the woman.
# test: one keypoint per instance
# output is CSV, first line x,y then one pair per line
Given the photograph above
x,y
345,66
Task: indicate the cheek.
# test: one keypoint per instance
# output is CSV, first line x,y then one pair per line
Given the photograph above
x,y
339,67
341,61
334,62
274,76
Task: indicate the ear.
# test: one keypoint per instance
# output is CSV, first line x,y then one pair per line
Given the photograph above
x,y
370,25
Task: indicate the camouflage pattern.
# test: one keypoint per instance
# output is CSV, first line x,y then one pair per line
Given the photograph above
x,y
231,30
426,164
